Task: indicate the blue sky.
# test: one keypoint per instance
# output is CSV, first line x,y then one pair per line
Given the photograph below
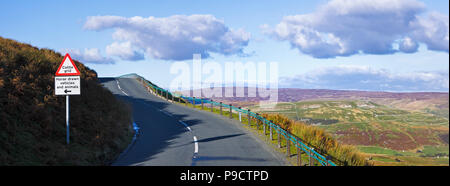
x,y
313,50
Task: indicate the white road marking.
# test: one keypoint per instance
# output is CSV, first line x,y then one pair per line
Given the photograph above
x,y
120,88
185,125
196,145
168,114
195,138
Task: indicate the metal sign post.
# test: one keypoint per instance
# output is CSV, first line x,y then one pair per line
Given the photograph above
x,y
67,82
67,120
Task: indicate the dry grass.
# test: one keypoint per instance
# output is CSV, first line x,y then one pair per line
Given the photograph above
x,y
321,141
32,118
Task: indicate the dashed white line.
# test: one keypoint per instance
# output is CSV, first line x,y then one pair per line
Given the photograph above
x,y
168,114
195,138
185,125
196,145
120,88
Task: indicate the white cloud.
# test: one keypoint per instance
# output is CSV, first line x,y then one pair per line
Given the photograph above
x,y
89,55
176,37
124,51
432,30
348,27
366,78
407,45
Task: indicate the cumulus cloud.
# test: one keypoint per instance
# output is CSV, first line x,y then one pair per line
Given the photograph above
x,y
432,30
407,45
124,51
366,78
89,55
176,37
348,27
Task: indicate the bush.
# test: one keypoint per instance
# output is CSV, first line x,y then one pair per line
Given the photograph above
x,y
32,118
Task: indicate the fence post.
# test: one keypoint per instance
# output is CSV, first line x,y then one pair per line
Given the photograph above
x,y
221,108
288,146
328,159
240,115
186,102
249,119
264,128
257,125
167,95
271,131
231,113
193,102
279,138
202,102
212,105
299,155
311,159
173,99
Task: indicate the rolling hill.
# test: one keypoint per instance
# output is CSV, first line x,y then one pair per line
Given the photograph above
x,y
387,134
32,118
391,128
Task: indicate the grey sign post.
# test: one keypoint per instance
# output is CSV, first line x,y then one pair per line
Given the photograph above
x,y
67,82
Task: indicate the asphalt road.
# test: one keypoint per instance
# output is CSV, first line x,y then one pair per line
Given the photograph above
x,y
175,135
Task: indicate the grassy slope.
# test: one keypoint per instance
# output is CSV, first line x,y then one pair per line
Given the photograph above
x,y
32,118
368,124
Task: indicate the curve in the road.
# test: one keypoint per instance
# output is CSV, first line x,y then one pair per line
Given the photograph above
x,y
171,134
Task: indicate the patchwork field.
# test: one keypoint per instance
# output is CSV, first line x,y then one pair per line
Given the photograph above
x,y
387,135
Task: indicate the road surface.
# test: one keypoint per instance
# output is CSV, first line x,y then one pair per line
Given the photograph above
x,y
175,135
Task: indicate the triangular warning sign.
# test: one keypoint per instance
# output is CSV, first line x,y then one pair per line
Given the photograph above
x,y
67,67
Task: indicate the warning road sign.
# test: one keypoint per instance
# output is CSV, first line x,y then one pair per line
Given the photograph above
x,y
67,82
67,67
67,85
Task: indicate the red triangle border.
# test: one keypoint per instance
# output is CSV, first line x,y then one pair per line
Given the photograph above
x,y
67,74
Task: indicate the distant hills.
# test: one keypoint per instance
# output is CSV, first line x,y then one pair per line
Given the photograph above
x,y
431,102
391,128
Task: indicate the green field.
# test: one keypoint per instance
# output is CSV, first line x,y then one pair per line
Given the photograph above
x,y
385,134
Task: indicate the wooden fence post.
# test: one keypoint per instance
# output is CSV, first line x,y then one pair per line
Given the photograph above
x,y
271,131
311,159
257,124
221,108
212,105
288,146
202,102
249,119
264,128
231,113
193,102
328,158
299,155
279,138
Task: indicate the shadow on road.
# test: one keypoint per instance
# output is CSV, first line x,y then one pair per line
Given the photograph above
x,y
157,129
218,138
